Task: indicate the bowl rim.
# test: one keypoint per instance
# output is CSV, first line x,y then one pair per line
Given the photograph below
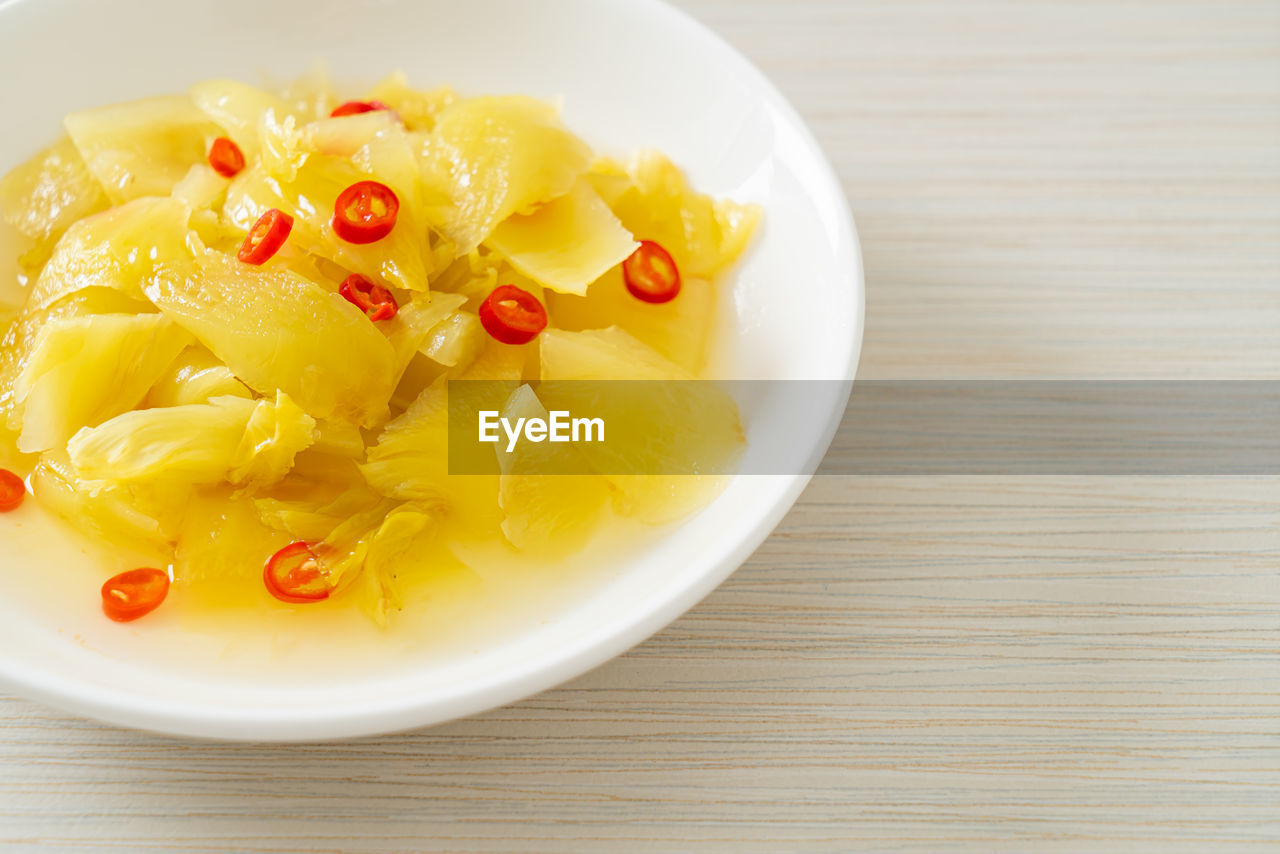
x,y
412,710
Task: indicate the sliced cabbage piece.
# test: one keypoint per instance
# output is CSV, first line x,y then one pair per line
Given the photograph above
x,y
84,370
415,323
410,462
244,442
222,541
545,509
118,248
44,196
669,423
237,109
404,532
316,497
144,516
566,244
195,376
277,330
418,110
678,329
21,336
655,202
343,136
456,341
496,156
306,186
142,148
311,94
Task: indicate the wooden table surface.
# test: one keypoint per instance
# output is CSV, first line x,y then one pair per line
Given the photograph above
x,y
1044,188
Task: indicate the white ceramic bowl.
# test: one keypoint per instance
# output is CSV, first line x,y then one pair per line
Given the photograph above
x,y
633,73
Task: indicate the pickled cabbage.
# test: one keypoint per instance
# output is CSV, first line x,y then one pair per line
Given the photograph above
x,y
277,330
167,396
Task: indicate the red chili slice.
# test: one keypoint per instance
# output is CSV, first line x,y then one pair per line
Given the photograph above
x,y
365,212
294,574
355,108
226,158
374,300
12,491
512,316
134,594
651,273
266,237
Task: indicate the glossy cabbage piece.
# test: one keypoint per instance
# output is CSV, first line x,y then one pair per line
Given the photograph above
x,y
238,110
492,157
416,108
410,462
44,196
415,325
84,370
456,341
20,338
679,329
410,459
566,244
307,186
655,202
311,95
142,148
118,248
195,376
545,510
222,542
243,442
671,423
147,517
401,538
276,330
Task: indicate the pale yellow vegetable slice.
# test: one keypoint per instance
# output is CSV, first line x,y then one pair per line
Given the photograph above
x,y
415,323
343,136
311,95
141,148
494,157
655,202
20,338
277,330
410,459
44,196
238,109
307,188
137,516
244,442
84,370
402,535
418,110
222,544
456,341
670,440
546,507
677,329
566,244
410,462
118,248
195,376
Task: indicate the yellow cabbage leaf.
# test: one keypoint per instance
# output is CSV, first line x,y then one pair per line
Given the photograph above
x,y
84,370
142,148
566,244
243,442
277,330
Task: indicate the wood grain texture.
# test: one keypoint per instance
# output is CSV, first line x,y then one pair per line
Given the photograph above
x,y
1044,188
